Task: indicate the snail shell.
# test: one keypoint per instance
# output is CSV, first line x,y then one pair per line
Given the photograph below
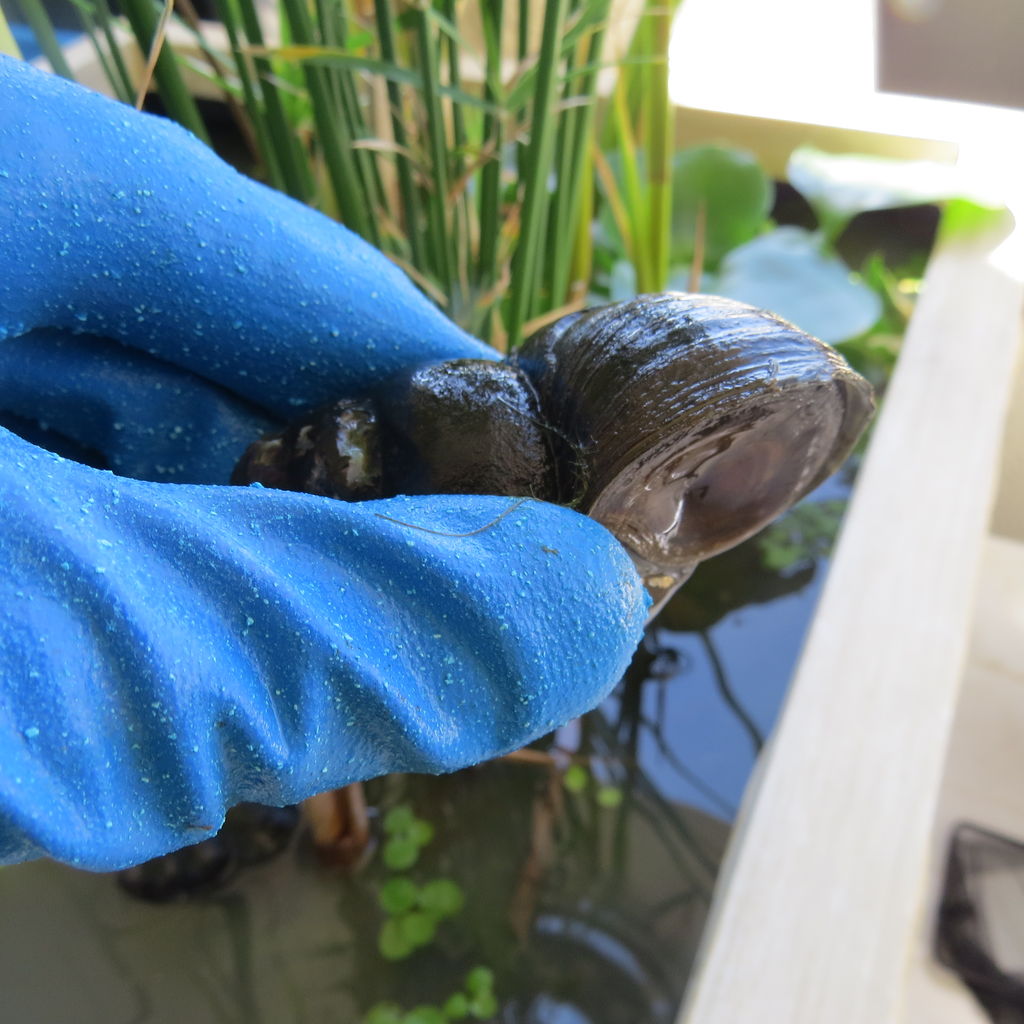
x,y
334,451
683,423
467,426
692,420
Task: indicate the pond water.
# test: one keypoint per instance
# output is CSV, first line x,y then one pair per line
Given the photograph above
x,y
584,873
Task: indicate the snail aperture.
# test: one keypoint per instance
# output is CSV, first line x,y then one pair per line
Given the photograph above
x,y
682,423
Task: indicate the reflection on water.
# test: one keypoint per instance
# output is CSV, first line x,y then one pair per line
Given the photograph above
x,y
587,870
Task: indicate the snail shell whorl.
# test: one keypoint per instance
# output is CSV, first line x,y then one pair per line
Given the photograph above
x,y
466,426
693,420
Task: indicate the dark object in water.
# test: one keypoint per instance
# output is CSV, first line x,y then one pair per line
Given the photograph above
x,y
683,423
979,931
252,834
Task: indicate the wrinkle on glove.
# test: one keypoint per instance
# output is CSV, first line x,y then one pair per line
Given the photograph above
x,y
170,651
146,418
125,226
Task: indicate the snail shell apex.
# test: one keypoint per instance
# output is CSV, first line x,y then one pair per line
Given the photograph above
x,y
334,451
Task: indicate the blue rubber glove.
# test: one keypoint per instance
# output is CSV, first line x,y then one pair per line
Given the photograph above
x,y
169,649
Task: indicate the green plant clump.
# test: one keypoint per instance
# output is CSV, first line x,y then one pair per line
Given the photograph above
x,y
475,145
414,912
475,1001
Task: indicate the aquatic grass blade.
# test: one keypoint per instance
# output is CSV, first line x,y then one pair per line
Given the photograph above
x,y
144,20
403,165
42,28
438,153
537,160
482,190
8,45
658,139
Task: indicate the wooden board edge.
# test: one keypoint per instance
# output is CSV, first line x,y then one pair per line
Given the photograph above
x,y
822,891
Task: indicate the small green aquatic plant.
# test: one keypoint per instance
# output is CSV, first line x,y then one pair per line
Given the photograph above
x,y
474,1001
406,836
805,534
414,911
578,778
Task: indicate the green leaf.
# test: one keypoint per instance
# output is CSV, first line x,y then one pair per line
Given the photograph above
x,y
398,895
841,186
576,778
732,190
802,536
417,928
456,1007
7,43
421,832
786,272
392,942
400,853
384,1013
483,1006
358,39
480,981
398,819
609,796
964,217
441,897
425,1015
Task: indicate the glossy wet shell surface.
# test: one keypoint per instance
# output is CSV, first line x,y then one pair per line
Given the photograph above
x,y
691,421
466,426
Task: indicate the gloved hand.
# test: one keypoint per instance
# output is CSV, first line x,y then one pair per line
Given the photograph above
x,y
169,649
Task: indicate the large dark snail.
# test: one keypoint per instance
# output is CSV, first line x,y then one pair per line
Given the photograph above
x,y
683,423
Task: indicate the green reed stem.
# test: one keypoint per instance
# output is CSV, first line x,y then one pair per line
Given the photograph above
x,y
403,165
120,79
334,142
144,16
42,28
437,148
293,162
493,133
8,45
658,138
538,166
573,183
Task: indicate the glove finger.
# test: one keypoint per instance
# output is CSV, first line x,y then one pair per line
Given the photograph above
x,y
137,415
169,651
125,226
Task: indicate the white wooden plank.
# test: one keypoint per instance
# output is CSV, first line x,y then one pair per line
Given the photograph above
x,y
1009,514
823,887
